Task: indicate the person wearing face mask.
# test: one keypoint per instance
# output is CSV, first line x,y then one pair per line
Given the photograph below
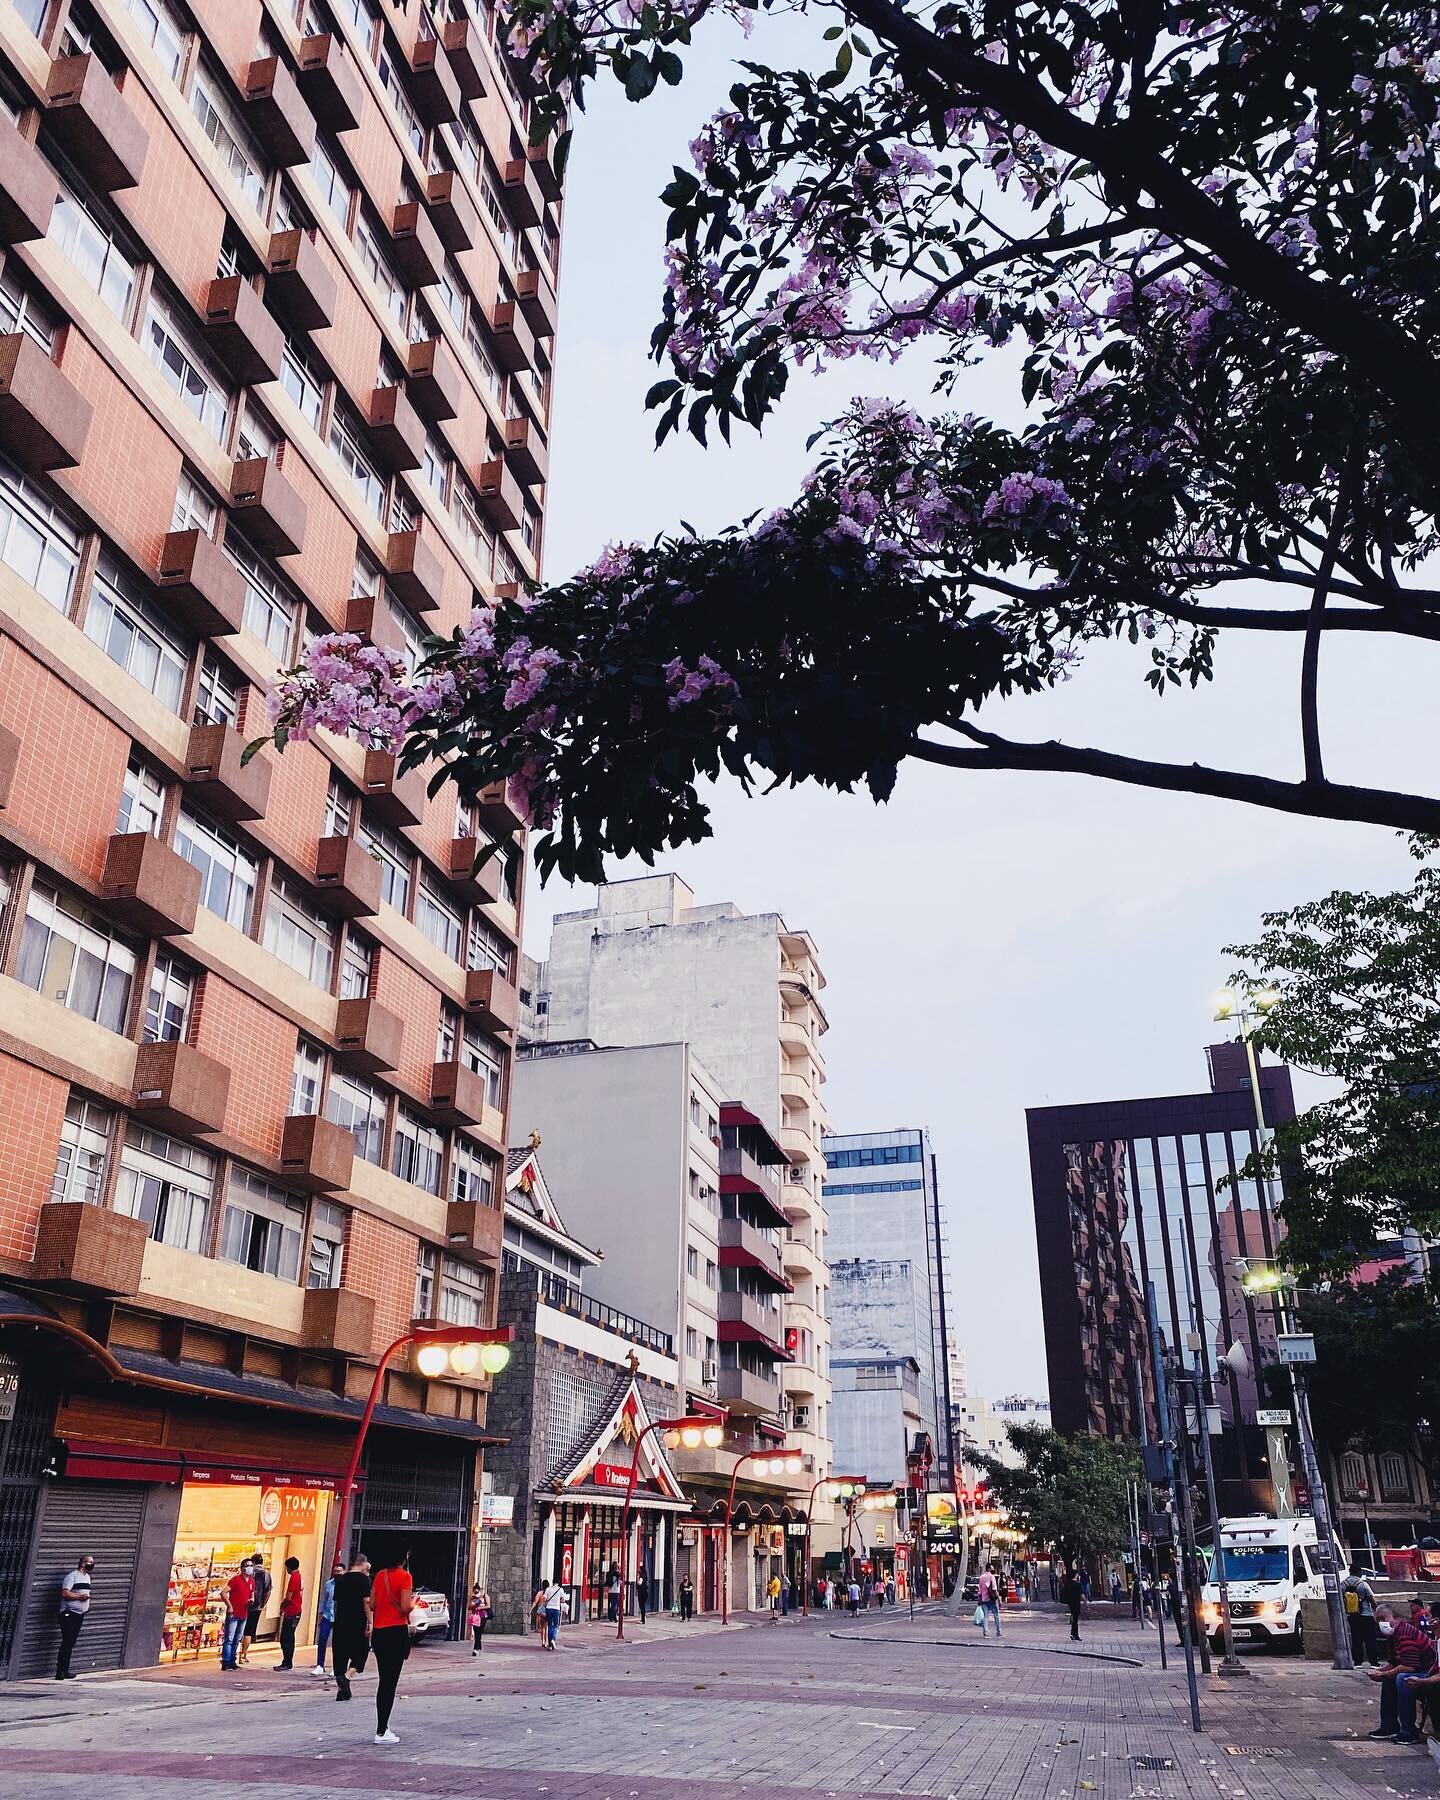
x,y
1410,1657
74,1604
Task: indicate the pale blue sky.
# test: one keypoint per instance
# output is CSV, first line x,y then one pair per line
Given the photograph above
x,y
991,942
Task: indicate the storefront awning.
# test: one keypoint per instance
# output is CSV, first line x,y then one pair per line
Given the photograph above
x,y
90,1459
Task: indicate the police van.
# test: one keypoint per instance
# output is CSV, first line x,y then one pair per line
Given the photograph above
x,y
1270,1567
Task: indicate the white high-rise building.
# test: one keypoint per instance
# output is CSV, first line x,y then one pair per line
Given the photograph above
x,y
646,965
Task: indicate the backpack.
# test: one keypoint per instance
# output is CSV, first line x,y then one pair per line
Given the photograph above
x,y
1352,1600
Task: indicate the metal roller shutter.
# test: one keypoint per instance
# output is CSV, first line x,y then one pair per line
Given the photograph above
x,y
104,1518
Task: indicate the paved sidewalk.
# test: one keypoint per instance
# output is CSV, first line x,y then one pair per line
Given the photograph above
x,y
882,1706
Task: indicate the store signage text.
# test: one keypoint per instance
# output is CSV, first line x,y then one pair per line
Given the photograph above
x,y
286,1511
497,1510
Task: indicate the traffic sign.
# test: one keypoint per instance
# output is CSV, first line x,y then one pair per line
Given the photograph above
x,y
1273,1415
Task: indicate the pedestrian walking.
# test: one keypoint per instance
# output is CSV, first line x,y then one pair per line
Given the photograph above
x,y
772,1590
829,1596
479,1617
642,1598
1359,1598
1085,1586
1410,1654
852,1595
614,1595
74,1604
1117,1592
354,1611
292,1604
239,1596
890,1589
1072,1592
989,1599
393,1595
549,1603
687,1598
325,1622
261,1580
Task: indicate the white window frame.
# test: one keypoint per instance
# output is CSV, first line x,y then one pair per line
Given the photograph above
x,y
217,694
363,1107
91,246
83,1154
186,369
298,933
307,1078
135,637
333,183
418,1152
355,460
472,1173
54,918
381,270
262,1226
224,855
177,1179
272,611
437,920
234,144
303,382
325,1253
169,1000
37,538
142,801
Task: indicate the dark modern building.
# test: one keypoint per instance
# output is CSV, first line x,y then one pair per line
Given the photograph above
x,y
1140,1216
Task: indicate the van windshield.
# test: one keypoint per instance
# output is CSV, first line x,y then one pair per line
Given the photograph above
x,y
1256,1562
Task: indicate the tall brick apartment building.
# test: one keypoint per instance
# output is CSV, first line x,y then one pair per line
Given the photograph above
x,y
277,304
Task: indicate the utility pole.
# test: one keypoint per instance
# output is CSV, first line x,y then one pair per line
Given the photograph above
x,y
1180,1490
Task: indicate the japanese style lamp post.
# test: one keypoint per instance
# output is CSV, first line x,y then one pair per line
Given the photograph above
x,y
842,1487
782,1461
688,1433
462,1348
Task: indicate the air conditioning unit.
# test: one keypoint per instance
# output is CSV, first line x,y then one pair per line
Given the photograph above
x,y
709,1373
800,1418
795,1175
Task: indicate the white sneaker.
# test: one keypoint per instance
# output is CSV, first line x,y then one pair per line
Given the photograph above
x,y
386,1737
321,1670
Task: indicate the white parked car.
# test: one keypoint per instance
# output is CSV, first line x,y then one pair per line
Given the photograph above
x,y
429,1614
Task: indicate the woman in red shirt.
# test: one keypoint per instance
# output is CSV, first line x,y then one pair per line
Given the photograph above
x,y
290,1609
393,1594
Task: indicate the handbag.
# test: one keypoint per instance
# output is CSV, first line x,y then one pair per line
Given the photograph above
x,y
979,1615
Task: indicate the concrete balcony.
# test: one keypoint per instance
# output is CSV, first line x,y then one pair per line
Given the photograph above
x,y
522,192
44,420
369,616
433,86
537,301
457,1094
316,1154
744,1392
148,886
800,1259
794,1037
477,882
338,1319
491,999
413,572
475,1230
541,158
397,432
499,810
525,452
9,762
27,188
93,123
179,1088
266,507
247,338
277,114
742,1246
298,284
513,339
224,785
501,498
797,1089
329,83
798,1145
199,585
415,246
743,1319
89,1248
398,797
348,876
741,1173
368,1036
435,383
451,213
461,42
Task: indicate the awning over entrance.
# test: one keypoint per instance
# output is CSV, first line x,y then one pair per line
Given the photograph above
x,y
597,1467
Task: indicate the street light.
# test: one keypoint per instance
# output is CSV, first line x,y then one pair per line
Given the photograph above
x,y
689,1432
1246,1007
841,1487
783,1461
438,1348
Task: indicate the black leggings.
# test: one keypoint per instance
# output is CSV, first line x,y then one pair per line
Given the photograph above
x,y
477,1632
391,1644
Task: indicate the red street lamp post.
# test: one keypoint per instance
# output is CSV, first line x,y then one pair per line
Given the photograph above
x,y
781,1461
691,1432
463,1348
842,1487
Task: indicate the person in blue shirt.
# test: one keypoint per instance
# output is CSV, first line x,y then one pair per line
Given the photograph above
x,y
325,1623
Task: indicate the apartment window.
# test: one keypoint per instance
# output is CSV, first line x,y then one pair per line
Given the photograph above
x,y
477,1055
71,955
426,1267
83,236
221,124
37,539
507,570
354,459
393,83
132,634
360,1109
162,31
692,1262
183,365
380,270
403,515
447,1035
83,1152
339,808
417,1152
396,860
486,367
307,1076
142,800
355,968
450,292
262,1226
303,381
327,1245
333,183
697,1118
709,1349
271,610
412,633
217,695
692,1341
1394,1471
300,936
711,1280
20,310
472,1174
228,873
464,1292
169,1185
194,509
360,13
365,582
439,922
495,206
168,1003
486,949
32,13
530,530
435,467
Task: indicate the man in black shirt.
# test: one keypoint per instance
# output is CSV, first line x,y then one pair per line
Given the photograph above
x,y
354,1609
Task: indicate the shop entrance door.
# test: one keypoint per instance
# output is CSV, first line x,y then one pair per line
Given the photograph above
x,y
24,1445
105,1518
